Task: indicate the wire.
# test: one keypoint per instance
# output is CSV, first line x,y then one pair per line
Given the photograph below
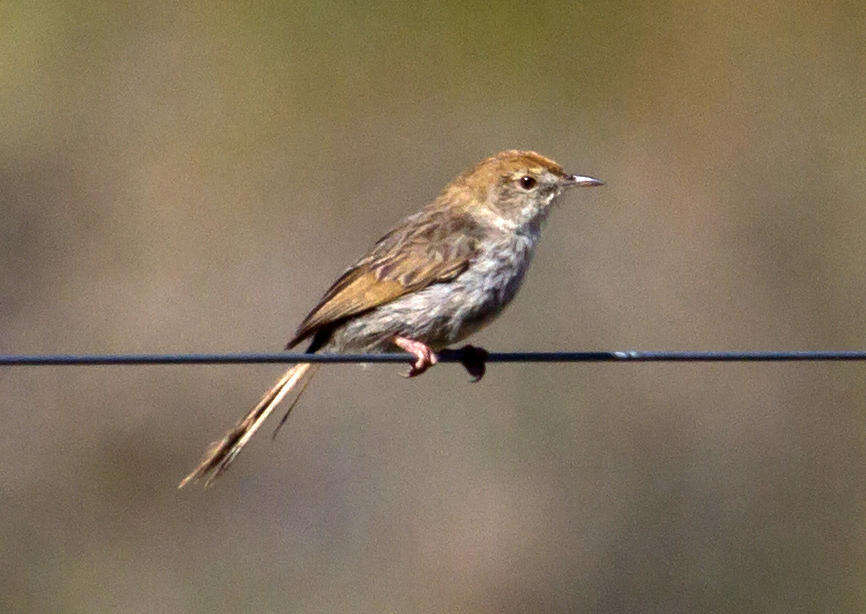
x,y
444,356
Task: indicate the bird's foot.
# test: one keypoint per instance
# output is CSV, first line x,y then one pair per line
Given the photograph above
x,y
424,355
473,359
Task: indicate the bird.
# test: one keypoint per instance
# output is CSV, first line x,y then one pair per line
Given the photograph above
x,y
438,276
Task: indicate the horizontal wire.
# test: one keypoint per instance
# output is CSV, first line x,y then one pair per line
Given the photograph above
x,y
444,356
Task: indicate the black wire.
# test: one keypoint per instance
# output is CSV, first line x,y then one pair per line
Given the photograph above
x,y
445,356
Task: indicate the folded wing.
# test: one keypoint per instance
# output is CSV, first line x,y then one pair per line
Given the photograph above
x,y
427,248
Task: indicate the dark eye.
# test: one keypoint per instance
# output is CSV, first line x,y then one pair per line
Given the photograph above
x,y
527,182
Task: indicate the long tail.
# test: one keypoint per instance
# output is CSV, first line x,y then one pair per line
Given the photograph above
x,y
221,453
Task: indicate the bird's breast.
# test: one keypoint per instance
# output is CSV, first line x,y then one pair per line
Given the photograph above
x,y
490,283
498,270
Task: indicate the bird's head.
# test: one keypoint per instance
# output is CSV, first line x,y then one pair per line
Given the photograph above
x,y
512,188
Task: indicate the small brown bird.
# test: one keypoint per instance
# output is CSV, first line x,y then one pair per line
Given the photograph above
x,y
437,277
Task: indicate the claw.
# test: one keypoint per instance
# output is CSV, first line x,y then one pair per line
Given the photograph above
x,y
425,357
472,358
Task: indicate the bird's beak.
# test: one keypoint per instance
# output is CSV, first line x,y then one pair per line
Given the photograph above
x,y
581,181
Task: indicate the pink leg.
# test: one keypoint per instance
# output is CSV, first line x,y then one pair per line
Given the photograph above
x,y
424,355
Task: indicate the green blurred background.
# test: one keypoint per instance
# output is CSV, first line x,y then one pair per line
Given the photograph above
x,y
190,177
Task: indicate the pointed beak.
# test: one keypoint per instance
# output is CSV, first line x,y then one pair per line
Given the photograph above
x,y
581,181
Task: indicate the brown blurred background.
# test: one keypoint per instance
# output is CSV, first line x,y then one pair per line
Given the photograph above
x,y
178,178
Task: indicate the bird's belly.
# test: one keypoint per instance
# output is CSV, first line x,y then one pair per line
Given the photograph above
x,y
443,313
483,293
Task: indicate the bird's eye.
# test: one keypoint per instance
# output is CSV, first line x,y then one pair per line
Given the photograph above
x,y
527,182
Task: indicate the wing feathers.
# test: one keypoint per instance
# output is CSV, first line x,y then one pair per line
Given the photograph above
x,y
431,247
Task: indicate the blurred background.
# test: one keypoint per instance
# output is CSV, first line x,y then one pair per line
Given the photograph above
x,y
190,177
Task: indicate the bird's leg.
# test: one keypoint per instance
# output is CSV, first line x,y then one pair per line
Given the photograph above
x,y
423,353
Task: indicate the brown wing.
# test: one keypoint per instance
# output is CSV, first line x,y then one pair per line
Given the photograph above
x,y
427,248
